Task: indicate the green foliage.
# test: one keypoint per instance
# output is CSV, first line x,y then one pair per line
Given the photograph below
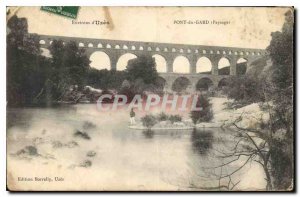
x,y
142,75
105,79
142,67
34,79
245,88
203,115
241,68
175,118
70,62
280,90
195,116
27,70
224,71
149,121
180,84
162,116
281,162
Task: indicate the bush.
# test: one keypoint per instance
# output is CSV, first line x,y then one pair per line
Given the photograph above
x,y
148,121
195,116
162,117
175,118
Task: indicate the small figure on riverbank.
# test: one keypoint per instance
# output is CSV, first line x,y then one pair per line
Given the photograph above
x,y
132,117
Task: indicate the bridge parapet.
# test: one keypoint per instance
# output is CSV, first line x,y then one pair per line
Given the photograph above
x,y
116,48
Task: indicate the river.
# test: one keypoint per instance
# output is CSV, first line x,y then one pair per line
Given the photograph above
x,y
120,158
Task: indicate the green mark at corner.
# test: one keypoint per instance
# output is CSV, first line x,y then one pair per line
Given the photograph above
x,y
68,11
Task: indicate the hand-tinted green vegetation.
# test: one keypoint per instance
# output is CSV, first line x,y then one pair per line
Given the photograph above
x,y
150,120
33,79
270,80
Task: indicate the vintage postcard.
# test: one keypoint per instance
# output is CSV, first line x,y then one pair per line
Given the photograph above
x,y
150,98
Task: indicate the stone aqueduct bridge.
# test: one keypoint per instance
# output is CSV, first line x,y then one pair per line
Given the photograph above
x,y
116,48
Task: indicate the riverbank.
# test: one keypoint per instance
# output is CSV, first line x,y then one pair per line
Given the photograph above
x,y
249,116
224,116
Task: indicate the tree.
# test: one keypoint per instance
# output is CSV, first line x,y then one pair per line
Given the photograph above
x,y
180,84
27,70
205,114
106,79
245,88
149,121
271,144
70,62
280,91
35,79
175,118
162,116
142,67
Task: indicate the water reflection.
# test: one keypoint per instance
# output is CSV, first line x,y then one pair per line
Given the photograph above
x,y
148,134
150,158
201,141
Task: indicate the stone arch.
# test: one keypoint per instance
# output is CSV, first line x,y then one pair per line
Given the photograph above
x,y
149,49
132,47
189,50
50,42
117,47
224,66
42,42
100,60
204,65
81,44
141,48
181,51
196,51
173,50
181,84
125,47
181,65
241,66
204,84
108,46
157,49
165,49
161,63
123,60
223,83
90,45
100,45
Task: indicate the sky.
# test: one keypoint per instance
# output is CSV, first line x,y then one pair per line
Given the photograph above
x,y
249,27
